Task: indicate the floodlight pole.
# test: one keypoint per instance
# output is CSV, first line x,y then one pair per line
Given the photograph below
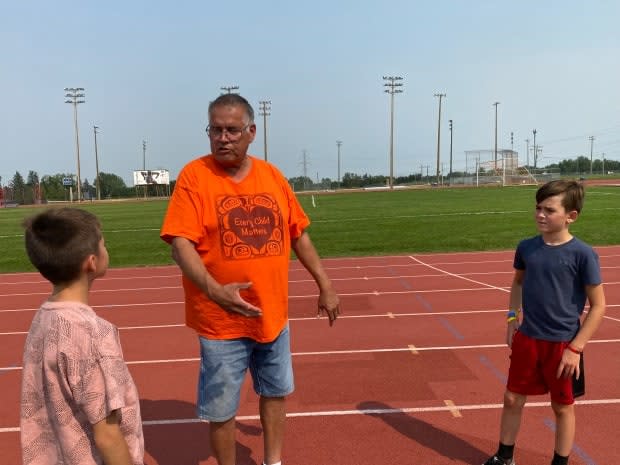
x,y
143,155
97,164
392,88
450,174
146,186
527,152
75,96
264,109
229,89
495,105
338,143
439,134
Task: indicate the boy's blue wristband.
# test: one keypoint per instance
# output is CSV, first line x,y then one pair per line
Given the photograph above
x,y
511,314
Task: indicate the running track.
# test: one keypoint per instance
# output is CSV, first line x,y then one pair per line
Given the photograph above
x,y
412,373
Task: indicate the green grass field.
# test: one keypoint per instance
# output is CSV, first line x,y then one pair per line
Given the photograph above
x,y
350,224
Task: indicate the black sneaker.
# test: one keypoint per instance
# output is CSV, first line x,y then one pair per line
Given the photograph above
x,y
495,460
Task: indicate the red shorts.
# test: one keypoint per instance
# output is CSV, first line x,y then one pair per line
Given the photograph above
x,y
533,369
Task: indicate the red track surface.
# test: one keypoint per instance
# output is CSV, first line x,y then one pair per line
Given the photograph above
x,y
412,373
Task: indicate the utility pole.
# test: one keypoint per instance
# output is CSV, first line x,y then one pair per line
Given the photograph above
x,y
146,186
450,175
591,148
527,152
439,134
229,89
75,96
264,112
338,143
392,87
143,155
305,163
97,164
495,105
535,154
512,146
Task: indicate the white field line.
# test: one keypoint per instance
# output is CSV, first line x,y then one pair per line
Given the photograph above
x,y
440,273
177,275
291,297
298,281
378,411
327,353
390,315
374,293
460,276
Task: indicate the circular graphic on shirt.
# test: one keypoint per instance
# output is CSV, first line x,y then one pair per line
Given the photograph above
x,y
250,226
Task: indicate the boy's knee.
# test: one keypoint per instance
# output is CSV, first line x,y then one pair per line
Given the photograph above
x,y
512,400
562,409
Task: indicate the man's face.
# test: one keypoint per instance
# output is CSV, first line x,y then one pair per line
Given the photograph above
x,y
230,133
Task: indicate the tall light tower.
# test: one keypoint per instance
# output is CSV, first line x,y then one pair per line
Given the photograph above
x,y
495,105
527,152
264,112
146,186
229,89
392,85
450,175
75,96
439,135
97,164
338,143
143,155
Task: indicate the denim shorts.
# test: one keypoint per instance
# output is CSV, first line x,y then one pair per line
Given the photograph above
x,y
224,363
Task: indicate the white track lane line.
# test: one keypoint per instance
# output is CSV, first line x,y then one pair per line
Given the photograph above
x,y
386,411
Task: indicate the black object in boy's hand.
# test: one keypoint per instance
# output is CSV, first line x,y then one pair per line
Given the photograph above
x,y
579,385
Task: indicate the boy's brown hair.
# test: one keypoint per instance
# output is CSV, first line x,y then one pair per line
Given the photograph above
x,y
58,241
572,190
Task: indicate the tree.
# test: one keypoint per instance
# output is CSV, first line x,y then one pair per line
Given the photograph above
x,y
52,187
33,178
301,183
18,186
87,190
113,185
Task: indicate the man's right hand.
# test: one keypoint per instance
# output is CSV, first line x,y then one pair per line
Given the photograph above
x,y
228,297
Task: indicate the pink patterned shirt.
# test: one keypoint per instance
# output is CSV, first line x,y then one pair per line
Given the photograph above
x,y
74,376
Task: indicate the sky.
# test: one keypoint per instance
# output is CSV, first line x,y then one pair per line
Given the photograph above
x,y
150,69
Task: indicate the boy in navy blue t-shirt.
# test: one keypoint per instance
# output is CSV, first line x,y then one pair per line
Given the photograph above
x,y
555,273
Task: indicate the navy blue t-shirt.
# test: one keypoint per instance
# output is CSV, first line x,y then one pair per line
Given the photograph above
x,y
554,286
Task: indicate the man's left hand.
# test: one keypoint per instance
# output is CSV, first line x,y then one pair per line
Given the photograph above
x,y
329,303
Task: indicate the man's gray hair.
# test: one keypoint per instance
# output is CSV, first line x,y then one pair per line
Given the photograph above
x,y
233,100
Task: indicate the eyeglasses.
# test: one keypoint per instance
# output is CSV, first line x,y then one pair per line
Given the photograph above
x,y
232,132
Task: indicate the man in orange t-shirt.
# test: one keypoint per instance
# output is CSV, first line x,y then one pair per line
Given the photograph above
x,y
232,221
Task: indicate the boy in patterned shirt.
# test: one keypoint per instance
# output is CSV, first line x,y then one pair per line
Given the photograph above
x,y
79,404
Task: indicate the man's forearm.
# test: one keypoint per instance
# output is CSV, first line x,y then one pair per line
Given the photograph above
x,y
185,255
309,258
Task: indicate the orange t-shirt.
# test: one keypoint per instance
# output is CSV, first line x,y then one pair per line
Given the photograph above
x,y
242,232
